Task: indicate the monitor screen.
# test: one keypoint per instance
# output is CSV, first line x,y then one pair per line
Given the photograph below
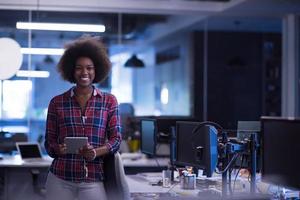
x,y
148,141
196,145
29,150
280,151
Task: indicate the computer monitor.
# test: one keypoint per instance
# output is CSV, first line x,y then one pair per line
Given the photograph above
x,y
164,123
196,145
156,141
280,151
148,136
246,128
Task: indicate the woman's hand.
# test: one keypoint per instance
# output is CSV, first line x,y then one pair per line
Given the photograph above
x,y
88,152
62,149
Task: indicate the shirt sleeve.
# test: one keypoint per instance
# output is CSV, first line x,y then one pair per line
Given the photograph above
x,y
114,127
51,135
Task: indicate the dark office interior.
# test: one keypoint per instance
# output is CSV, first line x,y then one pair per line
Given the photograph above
x,y
228,69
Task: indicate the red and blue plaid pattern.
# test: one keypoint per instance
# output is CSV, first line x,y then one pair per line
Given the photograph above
x,y
100,123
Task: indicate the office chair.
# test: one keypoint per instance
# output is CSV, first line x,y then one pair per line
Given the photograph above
x,y
19,137
8,141
126,111
115,182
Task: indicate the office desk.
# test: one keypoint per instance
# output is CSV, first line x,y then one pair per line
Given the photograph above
x,y
137,163
20,180
140,188
206,188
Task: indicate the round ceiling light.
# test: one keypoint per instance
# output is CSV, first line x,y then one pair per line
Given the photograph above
x,y
10,58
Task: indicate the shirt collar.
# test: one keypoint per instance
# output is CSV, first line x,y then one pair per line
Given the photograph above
x,y
96,91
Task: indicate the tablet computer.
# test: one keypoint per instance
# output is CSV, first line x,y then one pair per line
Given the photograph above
x,y
75,143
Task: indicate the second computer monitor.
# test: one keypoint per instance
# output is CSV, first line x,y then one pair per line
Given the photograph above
x,y
196,145
280,151
148,136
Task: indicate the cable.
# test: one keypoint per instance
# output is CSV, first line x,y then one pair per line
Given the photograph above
x,y
158,165
201,124
229,164
229,181
157,147
173,186
238,172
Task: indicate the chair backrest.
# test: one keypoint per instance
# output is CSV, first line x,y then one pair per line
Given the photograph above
x,y
115,182
126,111
20,137
8,141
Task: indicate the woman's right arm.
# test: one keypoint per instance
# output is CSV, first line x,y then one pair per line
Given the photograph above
x,y
51,137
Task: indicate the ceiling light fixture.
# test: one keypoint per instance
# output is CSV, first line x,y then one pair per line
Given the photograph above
x,y
134,62
42,51
61,27
33,74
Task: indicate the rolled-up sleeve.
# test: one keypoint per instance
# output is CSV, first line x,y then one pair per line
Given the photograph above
x,y
51,135
114,127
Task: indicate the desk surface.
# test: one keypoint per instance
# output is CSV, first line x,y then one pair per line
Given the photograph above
x,y
16,161
129,160
140,187
140,160
207,188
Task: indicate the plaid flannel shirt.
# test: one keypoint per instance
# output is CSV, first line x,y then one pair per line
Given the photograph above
x,y
100,123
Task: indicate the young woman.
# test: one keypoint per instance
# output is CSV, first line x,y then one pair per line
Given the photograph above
x,y
85,111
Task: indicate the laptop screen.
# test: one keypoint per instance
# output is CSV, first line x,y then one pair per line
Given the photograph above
x,y
29,150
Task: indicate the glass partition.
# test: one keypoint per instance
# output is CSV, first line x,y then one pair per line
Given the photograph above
x,y
222,67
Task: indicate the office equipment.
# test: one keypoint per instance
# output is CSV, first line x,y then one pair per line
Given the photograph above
x,y
75,143
196,145
228,152
164,123
280,151
29,151
245,128
148,137
188,181
166,178
162,134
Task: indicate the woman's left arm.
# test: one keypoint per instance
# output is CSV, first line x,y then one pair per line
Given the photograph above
x,y
113,131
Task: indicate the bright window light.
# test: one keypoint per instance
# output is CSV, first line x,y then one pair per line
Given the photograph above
x,y
15,129
42,51
121,81
61,27
16,95
0,100
164,95
33,74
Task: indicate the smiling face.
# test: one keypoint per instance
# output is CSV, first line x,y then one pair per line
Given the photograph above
x,y
84,72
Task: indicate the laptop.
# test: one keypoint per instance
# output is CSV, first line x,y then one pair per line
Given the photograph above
x,y
30,151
